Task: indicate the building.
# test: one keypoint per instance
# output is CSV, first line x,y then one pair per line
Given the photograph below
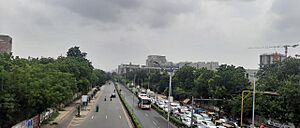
x,y
5,44
156,58
269,59
125,68
198,65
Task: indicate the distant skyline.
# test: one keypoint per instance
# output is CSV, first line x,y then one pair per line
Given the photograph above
x,y
113,32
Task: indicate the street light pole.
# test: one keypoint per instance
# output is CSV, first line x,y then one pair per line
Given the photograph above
x,y
169,98
170,89
133,94
253,104
192,112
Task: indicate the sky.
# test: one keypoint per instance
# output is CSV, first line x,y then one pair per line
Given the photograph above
x,y
122,31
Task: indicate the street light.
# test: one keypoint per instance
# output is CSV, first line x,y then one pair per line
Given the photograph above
x,y
170,89
248,93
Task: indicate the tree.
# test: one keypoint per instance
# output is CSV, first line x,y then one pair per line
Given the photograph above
x,y
283,78
75,52
30,86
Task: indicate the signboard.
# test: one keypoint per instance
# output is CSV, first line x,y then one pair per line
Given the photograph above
x,y
84,98
171,98
35,121
29,123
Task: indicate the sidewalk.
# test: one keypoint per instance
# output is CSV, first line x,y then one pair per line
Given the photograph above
x,y
68,114
85,111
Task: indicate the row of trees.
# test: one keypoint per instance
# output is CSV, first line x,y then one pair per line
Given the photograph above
x,y
227,83
30,86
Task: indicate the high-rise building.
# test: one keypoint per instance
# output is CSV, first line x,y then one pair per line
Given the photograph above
x,y
269,59
156,58
5,44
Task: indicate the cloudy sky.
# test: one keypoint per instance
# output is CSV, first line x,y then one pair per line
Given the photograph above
x,y
122,31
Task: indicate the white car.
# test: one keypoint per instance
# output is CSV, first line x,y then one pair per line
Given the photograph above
x,y
205,116
208,124
187,121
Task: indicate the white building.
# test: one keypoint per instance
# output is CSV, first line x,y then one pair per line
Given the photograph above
x,y
125,68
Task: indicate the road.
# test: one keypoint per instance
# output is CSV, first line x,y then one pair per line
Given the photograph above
x,y
148,118
111,113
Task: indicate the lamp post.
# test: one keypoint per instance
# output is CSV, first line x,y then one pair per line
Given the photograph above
x,y
248,93
170,89
133,93
253,104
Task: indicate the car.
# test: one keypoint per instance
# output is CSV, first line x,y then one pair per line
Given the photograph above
x,y
208,124
113,95
187,121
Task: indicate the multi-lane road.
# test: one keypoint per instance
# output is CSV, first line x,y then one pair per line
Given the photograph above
x,y
148,118
111,113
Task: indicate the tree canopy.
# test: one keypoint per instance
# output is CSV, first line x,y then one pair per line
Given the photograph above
x,y
30,86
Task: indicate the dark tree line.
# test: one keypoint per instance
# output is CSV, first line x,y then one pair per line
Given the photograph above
x,y
227,83
30,86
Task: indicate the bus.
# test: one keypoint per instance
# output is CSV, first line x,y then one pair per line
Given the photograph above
x,y
144,102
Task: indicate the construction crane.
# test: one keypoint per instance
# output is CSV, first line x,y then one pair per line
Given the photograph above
x,y
279,46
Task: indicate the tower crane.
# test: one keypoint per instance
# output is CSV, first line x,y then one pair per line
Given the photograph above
x,y
279,46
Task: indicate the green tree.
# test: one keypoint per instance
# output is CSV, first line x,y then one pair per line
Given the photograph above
x,y
75,52
283,78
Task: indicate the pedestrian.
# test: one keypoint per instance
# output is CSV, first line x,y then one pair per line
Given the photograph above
x,y
97,107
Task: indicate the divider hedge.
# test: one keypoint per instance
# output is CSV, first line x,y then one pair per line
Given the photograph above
x,y
133,118
173,120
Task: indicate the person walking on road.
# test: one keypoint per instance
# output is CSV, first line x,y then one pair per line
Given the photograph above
x,y
97,107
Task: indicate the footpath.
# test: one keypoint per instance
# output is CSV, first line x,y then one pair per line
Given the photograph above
x,y
76,121
68,118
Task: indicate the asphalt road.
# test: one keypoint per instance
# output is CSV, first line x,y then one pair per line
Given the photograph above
x,y
110,115
148,118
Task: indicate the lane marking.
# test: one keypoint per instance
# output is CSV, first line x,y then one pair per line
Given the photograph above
x,y
154,123
120,117
106,116
92,117
146,114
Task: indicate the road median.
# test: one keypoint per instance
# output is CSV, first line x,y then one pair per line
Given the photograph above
x,y
133,118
